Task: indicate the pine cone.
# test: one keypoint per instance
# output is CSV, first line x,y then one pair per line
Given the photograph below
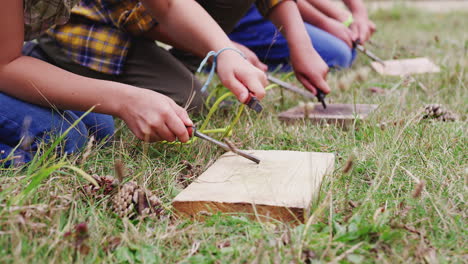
x,y
107,184
133,200
438,112
151,206
123,204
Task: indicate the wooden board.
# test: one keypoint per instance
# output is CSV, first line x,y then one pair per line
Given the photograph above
x,y
339,114
281,187
405,67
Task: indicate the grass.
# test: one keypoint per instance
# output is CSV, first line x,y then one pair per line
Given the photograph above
x,y
371,214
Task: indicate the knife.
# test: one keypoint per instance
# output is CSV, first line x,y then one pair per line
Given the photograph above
x,y
293,88
369,54
228,147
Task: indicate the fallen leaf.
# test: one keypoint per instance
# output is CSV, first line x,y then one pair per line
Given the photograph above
x,y
418,189
353,204
377,90
112,244
286,237
349,164
224,244
308,255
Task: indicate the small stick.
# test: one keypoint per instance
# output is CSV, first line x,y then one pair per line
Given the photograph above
x,y
240,152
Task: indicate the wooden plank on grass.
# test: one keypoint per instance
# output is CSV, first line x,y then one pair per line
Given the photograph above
x,y
340,114
281,187
405,67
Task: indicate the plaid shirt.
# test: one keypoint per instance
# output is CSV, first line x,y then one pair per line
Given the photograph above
x,y
40,15
99,33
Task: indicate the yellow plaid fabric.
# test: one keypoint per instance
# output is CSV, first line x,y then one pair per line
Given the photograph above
x,y
99,32
265,6
98,35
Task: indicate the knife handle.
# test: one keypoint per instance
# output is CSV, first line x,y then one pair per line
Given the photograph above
x,y
251,99
254,103
356,43
190,131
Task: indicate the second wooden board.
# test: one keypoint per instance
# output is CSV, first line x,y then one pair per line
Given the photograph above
x,y
282,186
405,67
340,114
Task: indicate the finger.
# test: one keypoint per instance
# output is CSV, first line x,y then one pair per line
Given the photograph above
x,y
261,66
306,83
372,27
354,32
364,33
254,83
349,38
263,80
182,114
178,128
322,85
158,127
165,133
151,138
257,63
155,138
319,82
145,133
237,88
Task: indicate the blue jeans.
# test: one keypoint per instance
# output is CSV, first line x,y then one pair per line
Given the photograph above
x,y
44,123
262,37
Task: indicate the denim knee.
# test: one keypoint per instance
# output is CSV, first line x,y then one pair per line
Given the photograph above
x,y
341,57
333,50
100,126
77,137
13,155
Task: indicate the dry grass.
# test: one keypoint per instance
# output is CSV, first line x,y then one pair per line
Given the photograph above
x,y
401,200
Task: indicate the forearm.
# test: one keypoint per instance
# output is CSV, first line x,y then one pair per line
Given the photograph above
x,y
157,33
309,67
187,25
356,7
329,8
288,20
311,15
40,83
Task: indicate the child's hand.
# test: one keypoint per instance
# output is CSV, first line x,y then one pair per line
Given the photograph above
x,y
152,116
240,76
363,28
310,69
340,31
251,56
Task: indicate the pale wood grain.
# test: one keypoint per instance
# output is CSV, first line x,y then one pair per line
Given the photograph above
x,y
282,186
405,67
340,114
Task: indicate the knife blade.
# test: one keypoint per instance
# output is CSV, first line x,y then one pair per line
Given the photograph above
x,y
369,54
193,131
320,95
